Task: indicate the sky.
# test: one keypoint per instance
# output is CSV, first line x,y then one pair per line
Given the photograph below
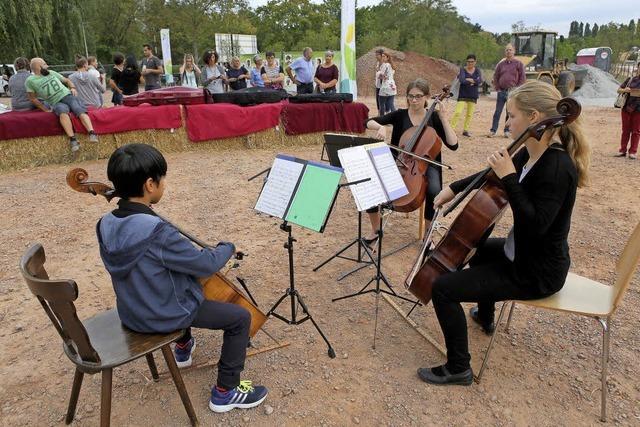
x,y
497,16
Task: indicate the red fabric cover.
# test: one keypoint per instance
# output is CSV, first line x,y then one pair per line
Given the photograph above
x,y
218,121
123,119
324,116
28,124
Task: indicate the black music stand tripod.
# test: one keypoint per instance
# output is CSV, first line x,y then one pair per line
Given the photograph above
x,y
377,279
360,245
295,297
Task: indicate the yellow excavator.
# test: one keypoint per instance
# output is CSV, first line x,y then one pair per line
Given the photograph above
x,y
537,51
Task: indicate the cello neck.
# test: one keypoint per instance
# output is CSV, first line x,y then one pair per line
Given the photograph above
x,y
421,126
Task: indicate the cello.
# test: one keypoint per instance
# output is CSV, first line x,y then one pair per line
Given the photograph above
x,y
479,215
216,287
421,141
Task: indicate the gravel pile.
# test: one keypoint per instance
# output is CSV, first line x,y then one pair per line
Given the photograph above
x,y
598,86
409,66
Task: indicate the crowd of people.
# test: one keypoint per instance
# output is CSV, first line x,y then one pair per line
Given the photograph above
x,y
87,85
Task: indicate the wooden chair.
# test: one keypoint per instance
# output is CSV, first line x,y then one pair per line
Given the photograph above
x,y
98,344
586,297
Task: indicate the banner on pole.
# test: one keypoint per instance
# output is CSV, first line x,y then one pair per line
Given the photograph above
x,y
348,48
166,55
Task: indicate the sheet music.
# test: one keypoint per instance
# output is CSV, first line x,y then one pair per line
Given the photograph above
x,y
281,182
357,165
387,169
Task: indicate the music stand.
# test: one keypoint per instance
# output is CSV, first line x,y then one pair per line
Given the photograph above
x,y
333,143
303,193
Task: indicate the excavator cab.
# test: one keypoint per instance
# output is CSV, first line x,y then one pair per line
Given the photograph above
x,y
537,52
535,49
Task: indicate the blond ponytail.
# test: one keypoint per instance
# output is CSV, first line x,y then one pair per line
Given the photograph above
x,y
539,96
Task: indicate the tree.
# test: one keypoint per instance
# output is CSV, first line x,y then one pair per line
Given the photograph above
x,y
632,26
594,30
587,30
581,30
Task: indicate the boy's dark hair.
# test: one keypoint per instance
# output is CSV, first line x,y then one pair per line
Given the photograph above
x,y
131,165
118,58
148,46
471,56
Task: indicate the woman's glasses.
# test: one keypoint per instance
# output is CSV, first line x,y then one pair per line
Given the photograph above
x,y
410,96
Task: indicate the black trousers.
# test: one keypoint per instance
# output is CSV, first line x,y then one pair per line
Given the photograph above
x,y
304,88
235,322
489,278
433,188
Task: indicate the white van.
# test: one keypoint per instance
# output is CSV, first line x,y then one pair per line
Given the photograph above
x,y
6,71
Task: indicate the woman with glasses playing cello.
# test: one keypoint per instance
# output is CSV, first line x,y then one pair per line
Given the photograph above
x,y
539,184
403,119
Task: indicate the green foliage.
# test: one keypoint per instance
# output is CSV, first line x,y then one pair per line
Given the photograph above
x,y
53,29
619,37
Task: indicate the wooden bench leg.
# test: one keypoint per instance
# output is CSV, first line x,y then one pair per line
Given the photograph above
x,y
177,379
152,367
75,392
105,398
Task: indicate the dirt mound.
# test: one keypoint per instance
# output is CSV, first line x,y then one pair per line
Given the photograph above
x,y
409,66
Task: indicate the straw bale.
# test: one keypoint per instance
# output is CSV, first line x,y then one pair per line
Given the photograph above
x,y
31,152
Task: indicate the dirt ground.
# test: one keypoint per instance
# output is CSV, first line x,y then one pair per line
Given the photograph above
x,y
545,372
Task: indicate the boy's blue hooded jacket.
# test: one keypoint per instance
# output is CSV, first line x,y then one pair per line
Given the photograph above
x,y
154,268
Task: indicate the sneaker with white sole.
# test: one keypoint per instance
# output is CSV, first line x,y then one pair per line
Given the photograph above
x,y
244,396
75,145
182,353
93,137
491,134
507,134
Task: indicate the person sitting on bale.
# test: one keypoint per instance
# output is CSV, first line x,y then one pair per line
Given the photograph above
x,y
60,94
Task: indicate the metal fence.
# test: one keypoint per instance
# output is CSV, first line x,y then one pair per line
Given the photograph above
x,y
622,70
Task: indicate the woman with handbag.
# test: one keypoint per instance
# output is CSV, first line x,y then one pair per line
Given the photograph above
x,y
388,90
630,112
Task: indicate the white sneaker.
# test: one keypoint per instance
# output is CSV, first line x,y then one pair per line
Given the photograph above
x,y
75,145
491,134
507,134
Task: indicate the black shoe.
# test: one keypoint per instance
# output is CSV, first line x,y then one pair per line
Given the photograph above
x,y
371,243
488,328
440,375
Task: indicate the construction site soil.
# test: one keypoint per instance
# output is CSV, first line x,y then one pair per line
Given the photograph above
x,y
409,66
543,372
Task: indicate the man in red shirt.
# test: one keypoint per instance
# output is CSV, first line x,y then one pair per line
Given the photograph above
x,y
508,75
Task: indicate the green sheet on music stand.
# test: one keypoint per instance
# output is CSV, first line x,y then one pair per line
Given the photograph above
x,y
314,196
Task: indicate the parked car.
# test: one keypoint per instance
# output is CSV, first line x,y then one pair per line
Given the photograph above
x,y
6,70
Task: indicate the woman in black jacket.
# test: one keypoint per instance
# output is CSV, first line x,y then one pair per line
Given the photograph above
x,y
533,261
405,118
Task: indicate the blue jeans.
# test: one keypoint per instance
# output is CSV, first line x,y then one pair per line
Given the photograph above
x,y
117,98
68,104
386,104
500,102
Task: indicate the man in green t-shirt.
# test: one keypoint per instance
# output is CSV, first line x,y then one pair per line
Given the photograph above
x,y
61,95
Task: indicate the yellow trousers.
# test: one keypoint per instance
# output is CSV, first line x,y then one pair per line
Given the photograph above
x,y
471,106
